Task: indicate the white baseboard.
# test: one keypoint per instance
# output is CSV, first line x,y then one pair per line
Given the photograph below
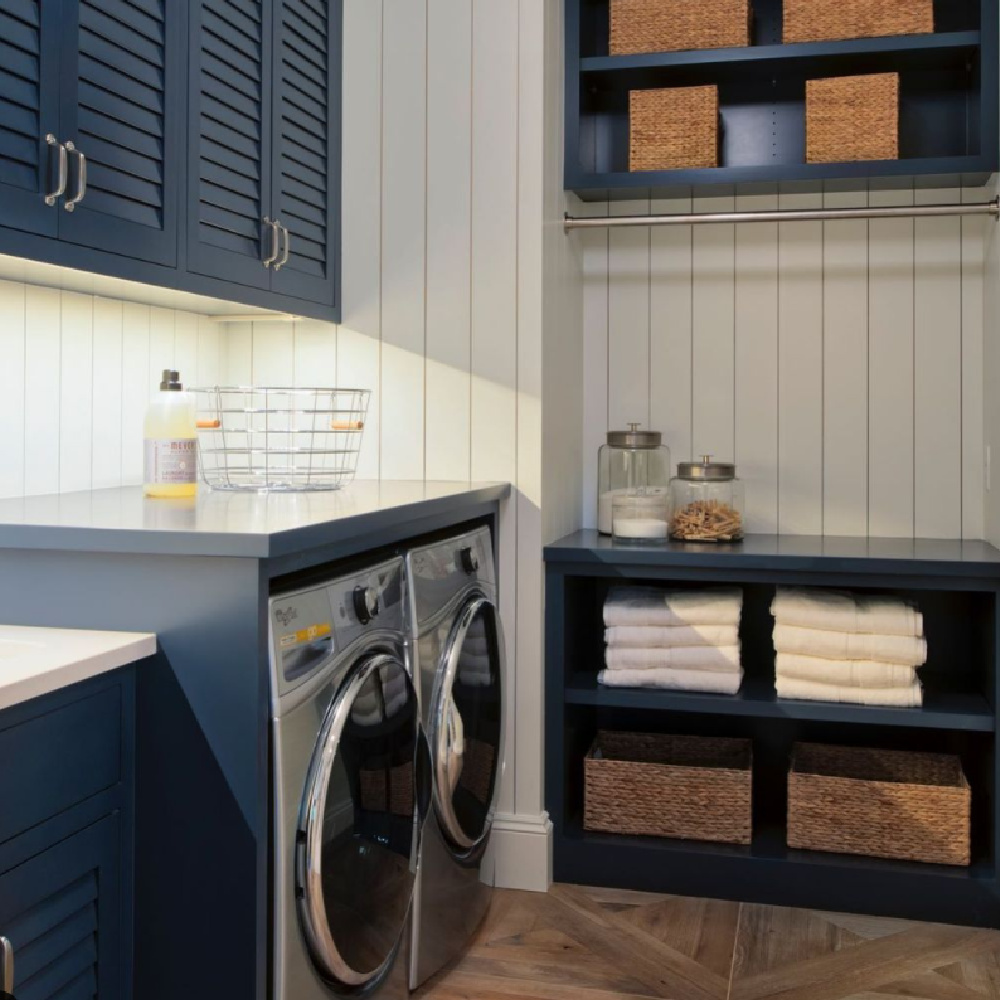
x,y
522,851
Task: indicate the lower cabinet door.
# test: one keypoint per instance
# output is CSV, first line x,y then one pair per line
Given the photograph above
x,y
62,912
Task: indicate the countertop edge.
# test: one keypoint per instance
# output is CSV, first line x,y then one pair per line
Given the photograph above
x,y
65,674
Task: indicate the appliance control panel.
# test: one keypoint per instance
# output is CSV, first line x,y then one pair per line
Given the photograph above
x,y
440,571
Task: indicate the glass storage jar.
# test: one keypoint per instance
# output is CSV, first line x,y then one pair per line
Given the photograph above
x,y
632,461
641,518
706,501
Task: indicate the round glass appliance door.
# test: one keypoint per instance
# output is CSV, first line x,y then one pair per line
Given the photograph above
x,y
467,734
355,859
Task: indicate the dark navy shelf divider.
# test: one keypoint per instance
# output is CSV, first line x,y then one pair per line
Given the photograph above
x,y
956,584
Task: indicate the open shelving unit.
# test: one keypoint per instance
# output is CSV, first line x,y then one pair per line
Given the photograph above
x,y
948,103
957,587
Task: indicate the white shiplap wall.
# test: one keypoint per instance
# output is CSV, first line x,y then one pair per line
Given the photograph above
x,y
76,374
840,364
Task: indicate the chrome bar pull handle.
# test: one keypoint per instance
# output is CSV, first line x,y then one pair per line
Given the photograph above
x,y
62,175
81,177
273,255
287,249
6,968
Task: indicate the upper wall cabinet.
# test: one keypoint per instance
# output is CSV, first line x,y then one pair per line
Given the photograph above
x,y
948,95
188,145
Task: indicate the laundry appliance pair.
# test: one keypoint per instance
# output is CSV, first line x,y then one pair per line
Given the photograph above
x,y
388,720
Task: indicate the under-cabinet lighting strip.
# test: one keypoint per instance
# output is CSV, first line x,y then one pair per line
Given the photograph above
x,y
991,209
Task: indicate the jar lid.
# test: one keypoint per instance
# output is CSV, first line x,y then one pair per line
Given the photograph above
x,y
634,438
706,470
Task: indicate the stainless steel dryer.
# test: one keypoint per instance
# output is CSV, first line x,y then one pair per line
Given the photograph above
x,y
458,658
346,774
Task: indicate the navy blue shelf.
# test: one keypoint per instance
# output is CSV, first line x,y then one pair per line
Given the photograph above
x,y
948,104
757,699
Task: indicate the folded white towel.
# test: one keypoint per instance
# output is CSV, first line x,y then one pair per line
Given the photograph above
x,y
908,697
846,673
670,636
720,659
676,680
906,650
654,606
837,611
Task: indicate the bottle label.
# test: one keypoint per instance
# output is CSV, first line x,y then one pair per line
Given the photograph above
x,y
171,461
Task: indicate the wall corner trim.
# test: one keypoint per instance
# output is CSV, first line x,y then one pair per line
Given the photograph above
x,y
522,849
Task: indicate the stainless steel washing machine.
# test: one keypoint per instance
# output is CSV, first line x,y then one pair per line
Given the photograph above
x,y
458,660
347,777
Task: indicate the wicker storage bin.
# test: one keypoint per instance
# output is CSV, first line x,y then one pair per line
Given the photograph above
x,y
675,128
879,803
829,20
675,25
687,787
852,118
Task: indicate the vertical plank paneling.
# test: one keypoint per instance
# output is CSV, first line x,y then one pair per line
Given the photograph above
x,y
315,354
800,370
12,408
628,320
937,372
714,326
449,232
76,395
134,388
358,346
209,368
162,326
237,352
404,159
186,346
845,367
42,378
975,233
670,333
273,347
106,388
756,384
890,370
595,264
494,283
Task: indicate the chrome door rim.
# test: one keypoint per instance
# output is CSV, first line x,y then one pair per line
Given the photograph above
x,y
475,602
309,863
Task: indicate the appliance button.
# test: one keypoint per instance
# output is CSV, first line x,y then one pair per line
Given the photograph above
x,y
366,604
470,560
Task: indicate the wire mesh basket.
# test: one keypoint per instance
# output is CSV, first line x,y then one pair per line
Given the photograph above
x,y
273,439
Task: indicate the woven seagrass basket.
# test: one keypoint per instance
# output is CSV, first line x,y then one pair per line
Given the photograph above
x,y
675,128
675,25
851,118
685,787
829,20
879,803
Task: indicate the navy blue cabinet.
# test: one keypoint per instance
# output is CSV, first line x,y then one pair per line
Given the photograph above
x,y
306,147
193,146
29,111
66,840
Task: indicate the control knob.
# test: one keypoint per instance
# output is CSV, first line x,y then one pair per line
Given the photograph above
x,y
366,604
470,560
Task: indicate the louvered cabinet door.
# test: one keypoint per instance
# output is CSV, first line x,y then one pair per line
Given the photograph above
x,y
62,912
29,110
123,90
306,181
229,141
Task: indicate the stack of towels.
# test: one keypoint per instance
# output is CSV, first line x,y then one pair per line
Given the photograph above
x,y
682,640
834,646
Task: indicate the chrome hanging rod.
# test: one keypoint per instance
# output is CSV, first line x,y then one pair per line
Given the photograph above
x,y
991,209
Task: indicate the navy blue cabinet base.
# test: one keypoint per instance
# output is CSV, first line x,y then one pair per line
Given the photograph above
x,y
66,833
188,146
948,125
957,587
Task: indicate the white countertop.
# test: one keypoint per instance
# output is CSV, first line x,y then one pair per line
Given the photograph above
x,y
38,661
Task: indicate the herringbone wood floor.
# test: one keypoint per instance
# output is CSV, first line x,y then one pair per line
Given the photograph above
x,y
605,944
